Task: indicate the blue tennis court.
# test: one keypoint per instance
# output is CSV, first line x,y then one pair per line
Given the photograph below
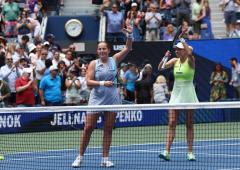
x,y
211,155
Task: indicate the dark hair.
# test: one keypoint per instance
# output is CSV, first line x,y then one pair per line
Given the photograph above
x,y
234,59
23,60
144,75
108,46
25,37
48,63
217,64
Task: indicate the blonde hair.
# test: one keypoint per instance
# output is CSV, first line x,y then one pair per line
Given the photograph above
x,y
160,79
11,47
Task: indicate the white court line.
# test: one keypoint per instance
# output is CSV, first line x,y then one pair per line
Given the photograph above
x,y
117,152
131,145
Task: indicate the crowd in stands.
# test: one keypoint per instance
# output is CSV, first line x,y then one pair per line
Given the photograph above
x,y
159,19
155,20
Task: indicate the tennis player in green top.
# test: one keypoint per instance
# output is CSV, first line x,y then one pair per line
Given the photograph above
x,y
1,157
183,92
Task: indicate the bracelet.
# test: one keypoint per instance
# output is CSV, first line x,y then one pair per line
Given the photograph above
x,y
101,83
182,40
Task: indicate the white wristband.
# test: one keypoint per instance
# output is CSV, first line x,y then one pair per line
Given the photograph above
x,y
101,83
182,40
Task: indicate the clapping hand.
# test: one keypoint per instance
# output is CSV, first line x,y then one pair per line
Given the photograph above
x,y
128,30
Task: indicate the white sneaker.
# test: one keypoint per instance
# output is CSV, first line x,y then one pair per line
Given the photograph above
x,y
77,162
107,164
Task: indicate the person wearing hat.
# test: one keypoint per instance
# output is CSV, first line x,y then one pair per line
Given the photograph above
x,y
50,88
25,89
46,45
53,45
183,92
133,18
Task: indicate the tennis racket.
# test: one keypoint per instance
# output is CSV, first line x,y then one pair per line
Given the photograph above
x,y
178,34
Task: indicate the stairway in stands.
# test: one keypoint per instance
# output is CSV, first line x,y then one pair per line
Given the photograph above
x,y
218,25
79,7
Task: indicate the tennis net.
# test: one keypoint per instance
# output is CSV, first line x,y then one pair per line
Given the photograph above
x,y
49,138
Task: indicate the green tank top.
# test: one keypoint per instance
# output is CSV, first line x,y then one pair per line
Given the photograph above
x,y
183,71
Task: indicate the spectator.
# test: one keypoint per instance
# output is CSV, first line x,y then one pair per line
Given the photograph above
x,y
183,11
153,20
237,30
169,33
50,88
32,5
3,42
68,59
115,23
25,88
4,92
84,90
218,79
24,27
48,64
63,74
53,46
10,13
19,53
73,85
23,63
122,71
24,43
167,6
129,80
36,28
46,46
160,90
235,81
229,15
133,18
188,34
40,65
197,16
206,27
144,90
32,53
56,58
11,48
10,73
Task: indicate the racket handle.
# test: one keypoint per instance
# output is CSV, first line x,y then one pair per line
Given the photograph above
x,y
165,59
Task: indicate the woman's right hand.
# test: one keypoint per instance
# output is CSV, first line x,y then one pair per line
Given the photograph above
x,y
108,83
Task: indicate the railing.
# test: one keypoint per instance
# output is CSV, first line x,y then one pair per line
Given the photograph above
x,y
43,27
102,28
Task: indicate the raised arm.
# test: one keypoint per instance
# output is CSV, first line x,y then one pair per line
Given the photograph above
x,y
118,57
189,49
164,64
